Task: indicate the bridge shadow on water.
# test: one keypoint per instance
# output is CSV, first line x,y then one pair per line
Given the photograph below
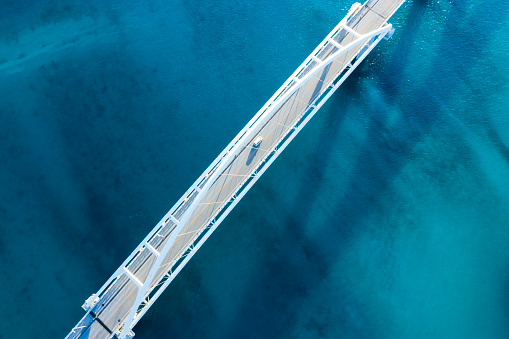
x,y
281,285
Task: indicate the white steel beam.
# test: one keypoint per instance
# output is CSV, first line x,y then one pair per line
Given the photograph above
x,y
349,30
152,249
316,59
132,277
338,46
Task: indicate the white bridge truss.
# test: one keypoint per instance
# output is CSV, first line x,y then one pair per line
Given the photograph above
x,y
121,302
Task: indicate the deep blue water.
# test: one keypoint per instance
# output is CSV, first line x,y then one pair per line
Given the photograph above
x,y
387,217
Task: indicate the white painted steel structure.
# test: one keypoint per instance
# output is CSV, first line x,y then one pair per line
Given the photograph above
x,y
132,289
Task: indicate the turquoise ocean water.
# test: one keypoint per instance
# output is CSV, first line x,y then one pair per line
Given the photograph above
x,y
387,217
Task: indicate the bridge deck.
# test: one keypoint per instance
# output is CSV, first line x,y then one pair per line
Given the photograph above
x,y
230,172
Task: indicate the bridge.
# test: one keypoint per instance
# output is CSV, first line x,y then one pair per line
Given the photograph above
x,y
122,301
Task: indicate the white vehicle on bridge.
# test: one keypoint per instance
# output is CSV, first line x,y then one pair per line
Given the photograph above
x,y
257,142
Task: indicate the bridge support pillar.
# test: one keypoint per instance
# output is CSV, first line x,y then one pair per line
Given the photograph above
x,y
129,335
389,34
90,302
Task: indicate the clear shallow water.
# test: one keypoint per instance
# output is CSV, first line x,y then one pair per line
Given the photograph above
x,y
385,218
